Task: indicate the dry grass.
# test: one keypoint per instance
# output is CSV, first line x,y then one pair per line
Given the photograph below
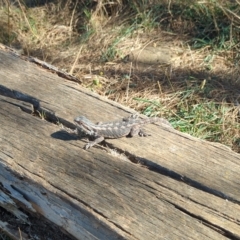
x,y
198,91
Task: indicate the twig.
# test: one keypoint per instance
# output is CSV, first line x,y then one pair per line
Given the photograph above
x,y
130,72
73,66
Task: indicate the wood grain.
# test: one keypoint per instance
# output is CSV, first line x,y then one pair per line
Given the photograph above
x,y
183,187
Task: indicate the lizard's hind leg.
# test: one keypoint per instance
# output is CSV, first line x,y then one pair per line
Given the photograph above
x,y
138,131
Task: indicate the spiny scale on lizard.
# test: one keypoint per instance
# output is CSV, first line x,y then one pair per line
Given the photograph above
x,y
129,126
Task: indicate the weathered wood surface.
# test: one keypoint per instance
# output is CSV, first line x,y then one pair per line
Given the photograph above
x,y
189,189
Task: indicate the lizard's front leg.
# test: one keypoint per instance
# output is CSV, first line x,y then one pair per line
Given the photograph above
x,y
92,143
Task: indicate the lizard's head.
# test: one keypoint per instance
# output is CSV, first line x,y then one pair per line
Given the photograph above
x,y
84,124
81,119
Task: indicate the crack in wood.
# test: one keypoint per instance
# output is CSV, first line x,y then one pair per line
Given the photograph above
x,y
152,166
207,223
36,109
19,96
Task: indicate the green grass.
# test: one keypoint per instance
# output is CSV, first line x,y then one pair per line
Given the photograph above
x,y
198,116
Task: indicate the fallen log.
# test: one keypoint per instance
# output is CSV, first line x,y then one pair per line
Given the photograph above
x,y
167,186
